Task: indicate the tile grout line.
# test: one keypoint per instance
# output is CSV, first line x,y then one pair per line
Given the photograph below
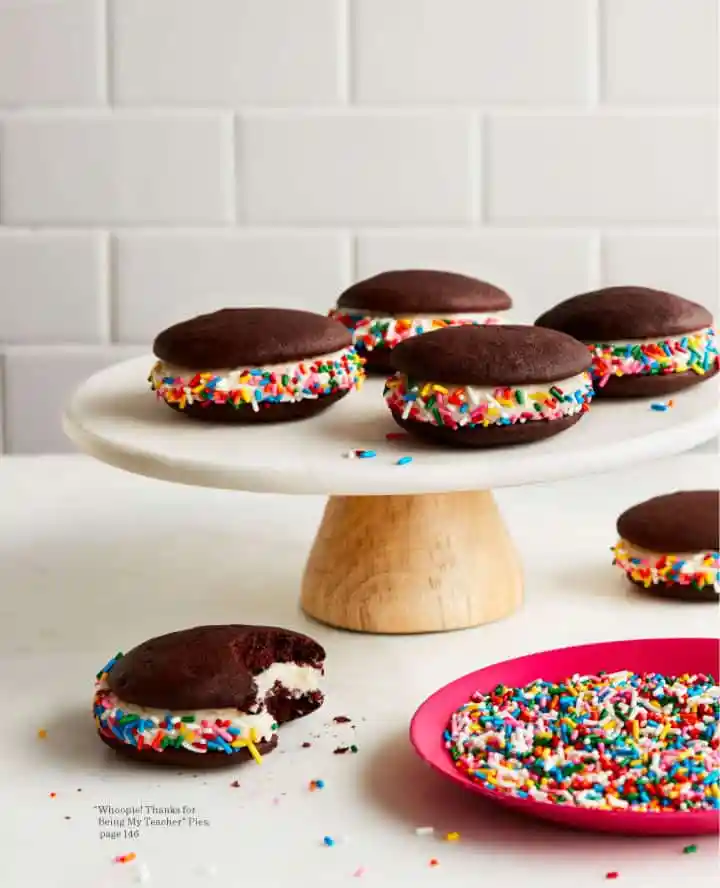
x,y
3,403
237,218
110,290
107,40
596,259
595,68
478,170
346,78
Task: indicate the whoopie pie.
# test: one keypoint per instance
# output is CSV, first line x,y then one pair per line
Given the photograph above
x,y
207,696
254,365
390,307
486,386
644,342
669,545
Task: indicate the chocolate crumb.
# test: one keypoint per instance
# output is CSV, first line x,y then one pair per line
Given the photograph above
x,y
235,784
341,719
67,817
306,745
341,750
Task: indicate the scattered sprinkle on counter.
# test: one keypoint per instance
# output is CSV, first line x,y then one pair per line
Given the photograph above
x,y
53,795
621,741
690,849
452,837
353,749
316,784
404,460
360,871
42,734
612,875
328,841
365,454
659,407
125,858
434,862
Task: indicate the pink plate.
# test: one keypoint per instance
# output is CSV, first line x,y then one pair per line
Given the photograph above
x,y
665,655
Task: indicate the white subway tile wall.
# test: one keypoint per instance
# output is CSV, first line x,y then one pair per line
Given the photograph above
x,y
159,158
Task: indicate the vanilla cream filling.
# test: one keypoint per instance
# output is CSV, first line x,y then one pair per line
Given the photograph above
x,y
461,403
683,563
297,680
234,378
423,319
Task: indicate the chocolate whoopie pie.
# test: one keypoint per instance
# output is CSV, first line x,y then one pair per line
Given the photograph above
x,y
254,365
669,545
486,386
644,342
390,307
208,696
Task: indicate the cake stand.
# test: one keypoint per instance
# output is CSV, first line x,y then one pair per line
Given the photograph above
x,y
417,547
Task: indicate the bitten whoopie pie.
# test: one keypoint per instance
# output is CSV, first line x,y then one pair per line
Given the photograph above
x,y
254,365
389,308
486,386
644,342
669,545
208,696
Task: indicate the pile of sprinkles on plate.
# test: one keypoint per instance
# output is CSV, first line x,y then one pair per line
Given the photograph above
x,y
621,741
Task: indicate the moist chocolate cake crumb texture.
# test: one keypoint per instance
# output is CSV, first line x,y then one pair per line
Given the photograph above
x,y
684,521
207,667
620,313
249,337
421,291
492,356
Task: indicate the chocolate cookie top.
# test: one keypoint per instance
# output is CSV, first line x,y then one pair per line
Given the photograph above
x,y
499,355
207,667
619,313
249,337
675,523
417,291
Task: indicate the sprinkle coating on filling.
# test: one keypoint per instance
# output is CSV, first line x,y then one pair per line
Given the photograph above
x,y
696,352
456,406
253,387
214,730
698,569
372,331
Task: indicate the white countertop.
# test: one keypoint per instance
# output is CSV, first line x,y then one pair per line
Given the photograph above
x,y
93,561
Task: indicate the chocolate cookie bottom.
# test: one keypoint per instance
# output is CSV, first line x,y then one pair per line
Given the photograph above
x,y
487,436
677,592
650,386
207,411
183,758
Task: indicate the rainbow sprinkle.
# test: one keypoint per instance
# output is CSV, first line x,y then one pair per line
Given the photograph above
x,y
696,351
703,570
254,386
461,406
198,735
621,741
387,332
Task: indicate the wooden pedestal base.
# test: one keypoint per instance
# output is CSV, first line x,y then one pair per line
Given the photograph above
x,y
405,564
